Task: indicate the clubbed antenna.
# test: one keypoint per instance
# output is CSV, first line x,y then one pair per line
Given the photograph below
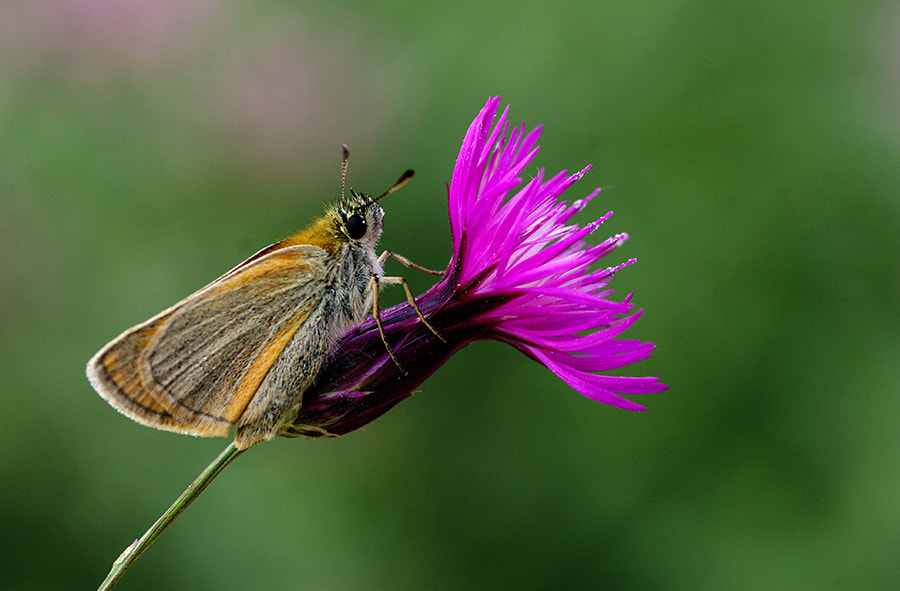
x,y
344,158
404,178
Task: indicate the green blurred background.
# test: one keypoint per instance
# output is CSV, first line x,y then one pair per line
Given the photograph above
x,y
750,149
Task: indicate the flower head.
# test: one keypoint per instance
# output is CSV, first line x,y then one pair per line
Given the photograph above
x,y
520,273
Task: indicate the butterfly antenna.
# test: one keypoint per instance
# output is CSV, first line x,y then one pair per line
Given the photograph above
x,y
404,178
344,158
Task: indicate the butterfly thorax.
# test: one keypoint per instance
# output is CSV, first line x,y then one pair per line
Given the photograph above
x,y
351,261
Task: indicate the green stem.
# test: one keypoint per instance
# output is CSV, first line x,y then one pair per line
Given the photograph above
x,y
137,547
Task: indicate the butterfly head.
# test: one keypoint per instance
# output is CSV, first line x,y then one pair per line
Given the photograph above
x,y
359,218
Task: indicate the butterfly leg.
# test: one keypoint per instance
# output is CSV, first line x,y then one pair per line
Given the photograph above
x,y
374,285
402,281
409,298
406,262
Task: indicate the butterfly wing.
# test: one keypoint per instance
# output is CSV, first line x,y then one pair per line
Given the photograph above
x,y
195,367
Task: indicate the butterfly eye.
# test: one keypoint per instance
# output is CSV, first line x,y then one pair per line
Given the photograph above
x,y
356,226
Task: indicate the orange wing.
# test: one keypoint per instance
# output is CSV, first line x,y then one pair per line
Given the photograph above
x,y
195,367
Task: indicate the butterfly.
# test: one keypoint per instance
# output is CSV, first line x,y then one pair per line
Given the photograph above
x,y
242,350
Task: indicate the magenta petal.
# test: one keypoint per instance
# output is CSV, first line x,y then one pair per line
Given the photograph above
x,y
519,244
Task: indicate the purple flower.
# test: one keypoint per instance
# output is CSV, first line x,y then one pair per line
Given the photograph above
x,y
519,274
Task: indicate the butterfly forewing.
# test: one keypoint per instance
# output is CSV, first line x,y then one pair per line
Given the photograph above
x,y
196,367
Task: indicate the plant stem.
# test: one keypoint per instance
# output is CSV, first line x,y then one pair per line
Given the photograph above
x,y
137,547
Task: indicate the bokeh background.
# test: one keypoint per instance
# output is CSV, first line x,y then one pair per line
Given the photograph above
x,y
752,151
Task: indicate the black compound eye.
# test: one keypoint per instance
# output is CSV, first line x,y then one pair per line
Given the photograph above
x,y
356,226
